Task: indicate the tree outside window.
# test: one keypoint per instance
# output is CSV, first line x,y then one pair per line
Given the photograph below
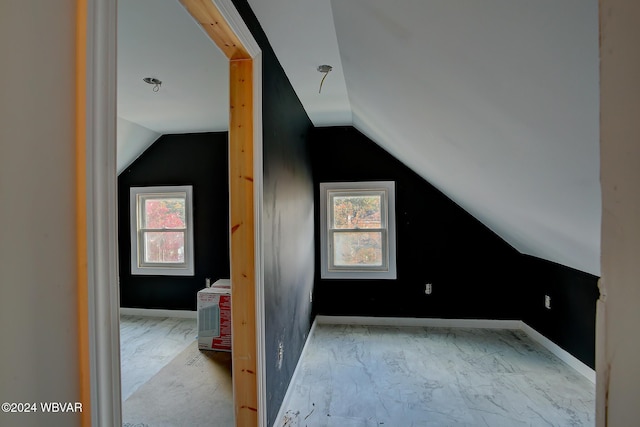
x,y
164,214
161,231
358,238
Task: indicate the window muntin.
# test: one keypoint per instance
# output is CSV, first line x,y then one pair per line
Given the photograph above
x,y
161,231
358,240
158,214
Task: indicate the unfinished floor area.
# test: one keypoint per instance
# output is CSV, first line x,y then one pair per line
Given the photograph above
x,y
368,376
167,381
147,344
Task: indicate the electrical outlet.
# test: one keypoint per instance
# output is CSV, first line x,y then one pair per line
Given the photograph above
x,y
310,296
428,288
547,302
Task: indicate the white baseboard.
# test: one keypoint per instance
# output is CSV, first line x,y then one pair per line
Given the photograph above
x,y
285,401
154,312
560,353
422,322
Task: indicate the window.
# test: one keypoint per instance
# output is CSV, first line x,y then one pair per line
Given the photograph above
x,y
161,231
358,230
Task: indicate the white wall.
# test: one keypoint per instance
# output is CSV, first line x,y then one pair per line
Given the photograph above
x,y
38,327
618,360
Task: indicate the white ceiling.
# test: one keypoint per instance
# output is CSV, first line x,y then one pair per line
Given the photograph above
x,y
495,102
158,38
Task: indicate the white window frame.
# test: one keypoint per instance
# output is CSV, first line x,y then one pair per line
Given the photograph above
x,y
139,268
388,270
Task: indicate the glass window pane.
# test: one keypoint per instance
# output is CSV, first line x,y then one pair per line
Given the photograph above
x,y
357,249
357,211
164,212
164,247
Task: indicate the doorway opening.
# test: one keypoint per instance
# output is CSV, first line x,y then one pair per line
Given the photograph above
x,y
98,298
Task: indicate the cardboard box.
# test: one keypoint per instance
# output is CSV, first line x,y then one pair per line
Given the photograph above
x,y
214,317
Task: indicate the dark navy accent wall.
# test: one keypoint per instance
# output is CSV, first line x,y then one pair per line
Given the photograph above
x,y
571,321
472,270
200,160
474,273
287,220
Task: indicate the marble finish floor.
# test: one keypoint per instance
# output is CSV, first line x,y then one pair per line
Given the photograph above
x,y
149,343
368,376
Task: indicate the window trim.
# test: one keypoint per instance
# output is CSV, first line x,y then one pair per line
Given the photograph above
x,y
139,268
327,269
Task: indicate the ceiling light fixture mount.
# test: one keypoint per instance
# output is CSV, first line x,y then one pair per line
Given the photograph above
x,y
153,81
324,69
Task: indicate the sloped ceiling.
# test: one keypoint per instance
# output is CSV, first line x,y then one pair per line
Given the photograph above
x,y
132,140
495,102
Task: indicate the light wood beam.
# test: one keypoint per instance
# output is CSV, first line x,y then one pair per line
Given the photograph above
x,y
243,304
242,221
214,24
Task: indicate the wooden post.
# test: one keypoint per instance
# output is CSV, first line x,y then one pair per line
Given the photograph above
x,y
243,311
241,195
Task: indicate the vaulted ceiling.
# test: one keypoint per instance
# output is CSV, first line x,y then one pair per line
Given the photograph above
x,y
494,102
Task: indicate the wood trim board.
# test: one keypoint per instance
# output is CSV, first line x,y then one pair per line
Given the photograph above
x,y
96,228
81,213
241,203
243,274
